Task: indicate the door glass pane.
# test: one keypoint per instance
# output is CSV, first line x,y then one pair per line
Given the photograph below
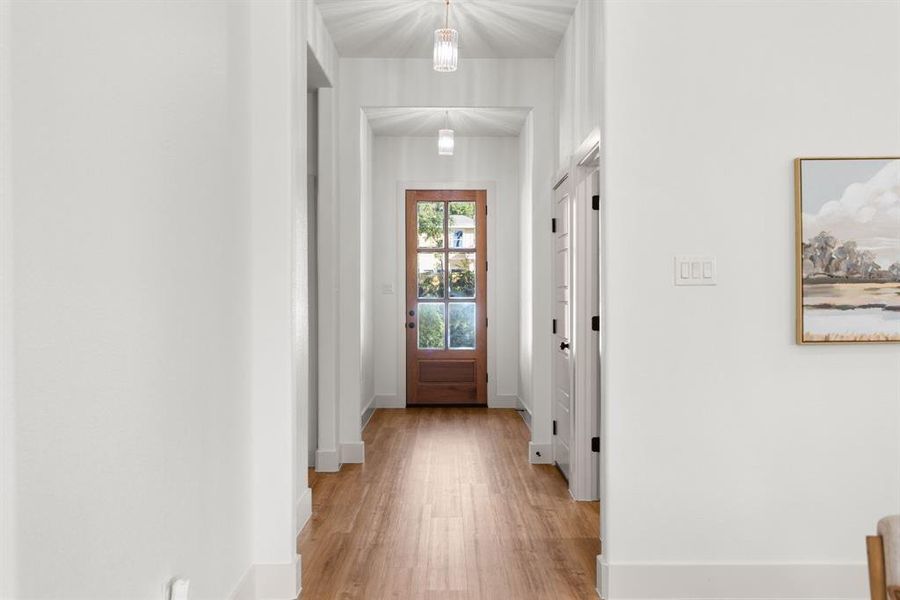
x,y
430,224
431,326
431,275
462,325
462,224
462,275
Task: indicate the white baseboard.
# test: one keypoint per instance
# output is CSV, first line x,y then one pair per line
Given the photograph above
x,y
246,587
328,461
540,454
704,581
303,509
269,582
389,402
353,453
504,402
602,575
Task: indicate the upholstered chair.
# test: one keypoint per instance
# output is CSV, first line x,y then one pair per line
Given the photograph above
x,y
884,560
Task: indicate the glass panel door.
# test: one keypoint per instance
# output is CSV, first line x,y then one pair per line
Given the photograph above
x,y
446,297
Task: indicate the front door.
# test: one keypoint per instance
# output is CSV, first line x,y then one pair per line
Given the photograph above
x,y
562,330
446,297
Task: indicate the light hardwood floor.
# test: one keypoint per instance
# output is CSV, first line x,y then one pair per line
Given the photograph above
x,y
447,507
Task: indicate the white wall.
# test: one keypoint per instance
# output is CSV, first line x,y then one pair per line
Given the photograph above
x,y
413,82
734,455
579,72
526,264
367,248
319,40
415,161
327,227
279,291
160,268
132,258
312,165
8,491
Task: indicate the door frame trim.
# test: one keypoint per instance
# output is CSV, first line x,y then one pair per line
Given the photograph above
x,y
586,394
584,484
491,188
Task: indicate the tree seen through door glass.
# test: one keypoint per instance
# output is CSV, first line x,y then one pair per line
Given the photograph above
x,y
462,275
431,275
461,224
430,224
431,326
462,325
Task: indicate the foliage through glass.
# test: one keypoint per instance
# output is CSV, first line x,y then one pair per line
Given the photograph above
x,y
431,326
442,275
462,325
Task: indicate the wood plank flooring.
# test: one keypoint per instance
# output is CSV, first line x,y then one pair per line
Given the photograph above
x,y
447,507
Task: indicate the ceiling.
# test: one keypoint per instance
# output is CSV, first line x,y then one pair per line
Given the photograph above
x,y
487,28
465,122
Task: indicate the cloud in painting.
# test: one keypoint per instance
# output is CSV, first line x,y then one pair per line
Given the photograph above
x,y
868,213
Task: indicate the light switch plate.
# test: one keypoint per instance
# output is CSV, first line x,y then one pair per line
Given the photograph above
x,y
696,270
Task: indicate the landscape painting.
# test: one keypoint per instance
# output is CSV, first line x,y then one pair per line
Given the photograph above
x,y
848,250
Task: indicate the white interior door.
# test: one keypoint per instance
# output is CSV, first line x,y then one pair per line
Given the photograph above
x,y
586,325
562,326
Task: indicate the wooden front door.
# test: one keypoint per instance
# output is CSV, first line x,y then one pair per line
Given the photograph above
x,y
446,297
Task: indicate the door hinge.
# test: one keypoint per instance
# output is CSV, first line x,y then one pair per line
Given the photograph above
x,y
485,321
595,444
485,209
485,266
595,202
487,377
554,325
554,427
553,225
595,323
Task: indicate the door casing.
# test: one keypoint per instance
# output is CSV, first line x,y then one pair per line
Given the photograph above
x,y
441,360
582,181
398,400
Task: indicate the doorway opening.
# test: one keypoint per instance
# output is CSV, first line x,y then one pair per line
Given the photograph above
x,y
577,324
446,297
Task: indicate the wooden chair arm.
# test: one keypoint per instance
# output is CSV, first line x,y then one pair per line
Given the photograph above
x,y
875,551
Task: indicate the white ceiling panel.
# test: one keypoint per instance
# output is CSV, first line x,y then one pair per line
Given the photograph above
x,y
487,28
466,122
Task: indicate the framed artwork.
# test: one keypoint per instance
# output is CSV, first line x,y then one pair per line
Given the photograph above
x,y
848,250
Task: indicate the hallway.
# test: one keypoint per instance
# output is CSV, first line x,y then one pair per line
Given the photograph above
x,y
447,507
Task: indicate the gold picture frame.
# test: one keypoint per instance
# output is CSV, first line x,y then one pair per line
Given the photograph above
x,y
844,292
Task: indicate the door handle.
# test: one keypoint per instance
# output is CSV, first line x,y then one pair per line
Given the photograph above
x,y
412,325
564,346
